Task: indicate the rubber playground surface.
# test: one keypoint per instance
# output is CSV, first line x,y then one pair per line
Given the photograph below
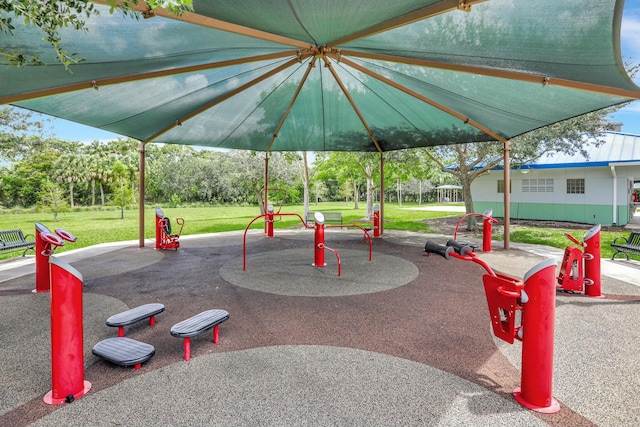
x,y
401,339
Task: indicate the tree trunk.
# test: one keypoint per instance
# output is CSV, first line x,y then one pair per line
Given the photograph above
x,y
468,201
71,194
305,182
263,208
356,195
370,188
93,192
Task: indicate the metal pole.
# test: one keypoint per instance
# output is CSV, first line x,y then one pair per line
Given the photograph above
x,y
141,196
507,195
381,228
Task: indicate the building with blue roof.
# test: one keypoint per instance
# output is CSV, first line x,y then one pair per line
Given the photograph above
x,y
595,190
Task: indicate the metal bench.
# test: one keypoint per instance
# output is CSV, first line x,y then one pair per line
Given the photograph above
x,y
630,244
124,351
134,315
197,325
13,240
328,217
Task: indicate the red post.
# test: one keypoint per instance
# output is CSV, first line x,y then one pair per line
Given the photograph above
x,y
269,219
318,244
376,221
187,348
67,354
216,334
538,323
486,230
592,262
159,218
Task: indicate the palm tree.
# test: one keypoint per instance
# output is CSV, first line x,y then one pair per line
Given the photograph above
x,y
70,169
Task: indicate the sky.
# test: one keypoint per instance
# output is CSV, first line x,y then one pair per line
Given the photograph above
x,y
629,116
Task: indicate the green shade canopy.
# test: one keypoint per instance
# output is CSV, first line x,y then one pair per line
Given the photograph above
x,y
329,75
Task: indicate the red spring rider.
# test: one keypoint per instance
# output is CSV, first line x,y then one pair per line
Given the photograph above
x,y
580,271
46,242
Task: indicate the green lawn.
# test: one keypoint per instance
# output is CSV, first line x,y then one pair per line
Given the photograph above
x,y
93,226
104,225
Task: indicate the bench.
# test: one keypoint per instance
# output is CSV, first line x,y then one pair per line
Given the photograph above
x,y
12,240
124,351
197,325
134,315
328,217
624,245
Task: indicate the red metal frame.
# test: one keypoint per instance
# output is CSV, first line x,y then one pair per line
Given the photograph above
x,y
487,223
580,269
319,246
164,238
46,242
535,299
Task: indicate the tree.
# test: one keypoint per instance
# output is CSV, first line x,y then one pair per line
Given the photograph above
x,y
468,161
20,134
52,197
51,16
352,167
123,194
70,169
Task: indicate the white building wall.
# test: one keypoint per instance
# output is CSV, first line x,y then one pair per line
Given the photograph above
x,y
596,204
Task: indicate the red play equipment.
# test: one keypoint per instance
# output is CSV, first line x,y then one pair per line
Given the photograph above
x,y
46,242
164,238
67,354
581,270
270,213
534,299
319,245
376,221
269,219
487,223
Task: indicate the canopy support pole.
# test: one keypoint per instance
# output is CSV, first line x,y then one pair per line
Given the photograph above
x,y
381,225
265,202
141,152
507,194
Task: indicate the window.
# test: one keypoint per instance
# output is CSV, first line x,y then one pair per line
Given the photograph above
x,y
501,186
537,185
575,186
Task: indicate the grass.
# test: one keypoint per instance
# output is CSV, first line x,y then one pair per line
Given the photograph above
x,y
556,238
104,225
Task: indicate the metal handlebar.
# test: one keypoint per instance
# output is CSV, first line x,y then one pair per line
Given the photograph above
x,y
458,250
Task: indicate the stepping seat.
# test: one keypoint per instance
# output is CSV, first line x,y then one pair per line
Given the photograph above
x,y
134,315
124,351
197,325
